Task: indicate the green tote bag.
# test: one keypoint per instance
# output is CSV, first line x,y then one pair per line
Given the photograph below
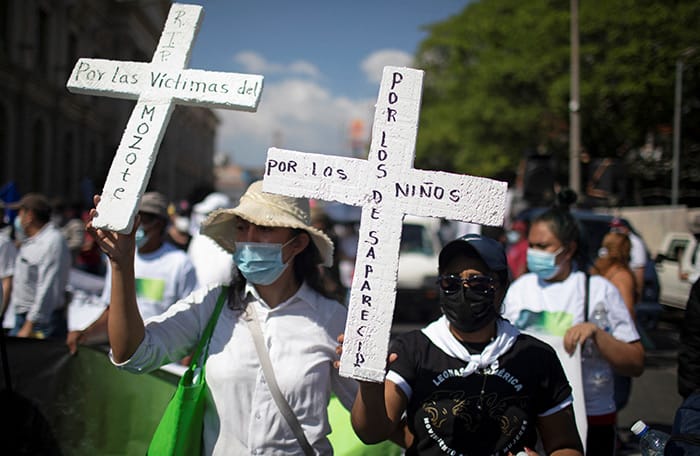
x,y
179,432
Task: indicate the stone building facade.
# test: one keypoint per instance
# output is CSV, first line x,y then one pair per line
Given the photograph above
x,y
61,144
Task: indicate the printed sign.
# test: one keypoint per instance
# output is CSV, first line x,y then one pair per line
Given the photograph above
x,y
387,187
157,86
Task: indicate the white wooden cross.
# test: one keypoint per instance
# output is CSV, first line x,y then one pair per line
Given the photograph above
x,y
158,86
387,187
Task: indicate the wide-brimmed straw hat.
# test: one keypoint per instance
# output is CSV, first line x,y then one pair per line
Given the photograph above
x,y
266,209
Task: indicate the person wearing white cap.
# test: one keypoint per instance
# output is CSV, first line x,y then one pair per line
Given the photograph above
x,y
276,251
212,264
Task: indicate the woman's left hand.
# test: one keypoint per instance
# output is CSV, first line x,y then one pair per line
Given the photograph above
x,y
577,335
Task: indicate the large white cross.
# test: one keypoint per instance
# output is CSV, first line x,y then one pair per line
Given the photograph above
x,y
387,187
158,86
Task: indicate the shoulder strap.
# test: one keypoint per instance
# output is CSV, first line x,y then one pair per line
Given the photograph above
x,y
586,298
281,402
203,344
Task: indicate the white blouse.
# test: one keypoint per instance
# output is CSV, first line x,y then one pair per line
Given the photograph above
x,y
241,416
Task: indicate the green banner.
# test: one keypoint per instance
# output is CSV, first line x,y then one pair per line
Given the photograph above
x,y
82,405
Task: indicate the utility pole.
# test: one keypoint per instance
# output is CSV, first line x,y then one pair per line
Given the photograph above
x,y
574,119
676,133
677,113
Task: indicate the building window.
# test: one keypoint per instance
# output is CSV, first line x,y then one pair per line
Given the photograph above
x,y
70,177
71,53
5,29
4,146
34,160
42,43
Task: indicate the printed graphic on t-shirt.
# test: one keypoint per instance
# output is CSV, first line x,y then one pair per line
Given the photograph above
x,y
545,322
151,289
499,418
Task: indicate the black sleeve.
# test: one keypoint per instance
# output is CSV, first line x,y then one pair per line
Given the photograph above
x,y
406,364
689,350
554,386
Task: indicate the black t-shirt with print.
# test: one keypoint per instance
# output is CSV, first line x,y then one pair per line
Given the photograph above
x,y
484,413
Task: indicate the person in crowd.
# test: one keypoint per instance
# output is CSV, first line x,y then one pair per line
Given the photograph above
x,y
90,258
41,271
638,252
613,264
178,231
213,265
163,273
8,254
66,217
330,276
276,251
689,349
552,299
685,438
517,248
465,383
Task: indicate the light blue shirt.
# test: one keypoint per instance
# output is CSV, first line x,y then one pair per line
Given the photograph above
x,y
41,274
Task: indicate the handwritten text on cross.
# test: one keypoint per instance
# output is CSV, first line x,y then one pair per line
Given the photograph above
x,y
158,86
387,187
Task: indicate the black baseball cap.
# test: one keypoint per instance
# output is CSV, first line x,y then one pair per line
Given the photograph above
x,y
490,251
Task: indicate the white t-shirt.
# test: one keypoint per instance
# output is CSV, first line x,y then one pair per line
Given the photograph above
x,y
162,278
213,264
241,416
8,253
538,306
638,254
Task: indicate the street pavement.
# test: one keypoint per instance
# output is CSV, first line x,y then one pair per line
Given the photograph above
x,y
654,398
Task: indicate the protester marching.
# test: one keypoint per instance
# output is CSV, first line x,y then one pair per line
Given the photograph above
x,y
204,306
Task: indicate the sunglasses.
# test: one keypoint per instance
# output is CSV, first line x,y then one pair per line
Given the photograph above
x,y
452,283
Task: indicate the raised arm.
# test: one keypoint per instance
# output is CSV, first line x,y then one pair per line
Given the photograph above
x,y
125,325
626,358
376,413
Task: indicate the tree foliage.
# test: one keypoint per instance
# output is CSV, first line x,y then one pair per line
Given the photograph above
x,y
497,81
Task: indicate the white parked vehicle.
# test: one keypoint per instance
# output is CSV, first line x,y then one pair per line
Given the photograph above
x,y
677,265
416,293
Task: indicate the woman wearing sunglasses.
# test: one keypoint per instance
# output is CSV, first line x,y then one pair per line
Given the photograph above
x,y
470,382
552,298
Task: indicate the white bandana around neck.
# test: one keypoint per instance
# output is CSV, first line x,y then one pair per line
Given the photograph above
x,y
439,334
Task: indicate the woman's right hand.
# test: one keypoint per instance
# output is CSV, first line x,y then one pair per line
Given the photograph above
x,y
119,248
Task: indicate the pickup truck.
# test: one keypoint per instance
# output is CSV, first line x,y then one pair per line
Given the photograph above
x,y
677,266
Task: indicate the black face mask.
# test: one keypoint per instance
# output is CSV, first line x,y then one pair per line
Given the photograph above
x,y
468,311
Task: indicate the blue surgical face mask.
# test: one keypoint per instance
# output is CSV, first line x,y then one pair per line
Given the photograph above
x,y
141,237
260,262
512,237
542,263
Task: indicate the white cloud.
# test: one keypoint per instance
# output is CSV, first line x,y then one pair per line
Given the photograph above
x,y
294,114
255,63
376,61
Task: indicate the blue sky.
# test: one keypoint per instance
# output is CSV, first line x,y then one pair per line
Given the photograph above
x,y
322,61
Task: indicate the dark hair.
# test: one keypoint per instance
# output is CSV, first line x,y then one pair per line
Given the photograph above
x,y
565,226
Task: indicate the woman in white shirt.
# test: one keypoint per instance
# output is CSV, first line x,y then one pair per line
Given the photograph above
x,y
551,299
277,253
